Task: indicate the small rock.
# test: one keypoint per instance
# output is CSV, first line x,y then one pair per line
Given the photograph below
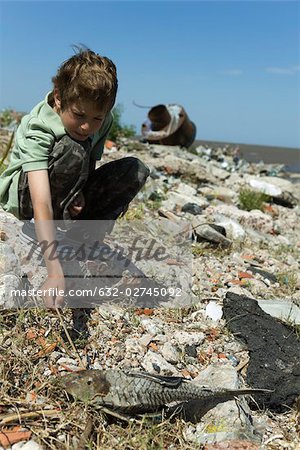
x,y
156,364
257,287
160,338
145,340
170,353
215,376
221,174
175,198
191,350
29,445
233,229
152,326
191,208
62,437
221,193
132,346
185,338
97,365
70,363
66,360
207,232
185,189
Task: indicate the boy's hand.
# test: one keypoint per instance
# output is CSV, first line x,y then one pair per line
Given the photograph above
x,y
77,205
53,290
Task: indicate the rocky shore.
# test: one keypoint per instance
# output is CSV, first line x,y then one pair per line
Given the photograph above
x,y
237,322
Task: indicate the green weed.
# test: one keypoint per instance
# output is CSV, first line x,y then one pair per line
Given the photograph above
x,y
135,213
288,281
118,130
153,204
249,199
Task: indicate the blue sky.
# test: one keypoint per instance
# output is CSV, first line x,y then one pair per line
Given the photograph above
x,y
233,65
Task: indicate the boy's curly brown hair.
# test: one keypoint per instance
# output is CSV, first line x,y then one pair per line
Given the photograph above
x,y
89,76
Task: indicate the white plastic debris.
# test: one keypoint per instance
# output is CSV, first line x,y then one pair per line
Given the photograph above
x,y
214,311
266,188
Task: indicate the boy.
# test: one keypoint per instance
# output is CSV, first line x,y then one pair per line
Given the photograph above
x,y
52,176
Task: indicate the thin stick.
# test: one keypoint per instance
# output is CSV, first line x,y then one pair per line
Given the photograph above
x,y
28,415
273,438
69,339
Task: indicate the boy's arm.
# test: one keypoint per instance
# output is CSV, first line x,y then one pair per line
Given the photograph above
x,y
40,193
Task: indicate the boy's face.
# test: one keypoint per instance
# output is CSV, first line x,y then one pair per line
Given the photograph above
x,y
81,119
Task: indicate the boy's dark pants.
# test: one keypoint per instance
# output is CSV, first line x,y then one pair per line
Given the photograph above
x,y
107,190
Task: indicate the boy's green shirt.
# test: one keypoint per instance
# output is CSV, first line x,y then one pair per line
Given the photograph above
x,y
38,132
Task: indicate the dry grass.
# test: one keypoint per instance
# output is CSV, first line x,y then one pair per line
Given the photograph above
x,y
288,281
200,249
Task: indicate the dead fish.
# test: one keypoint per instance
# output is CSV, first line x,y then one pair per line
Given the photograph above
x,y
140,392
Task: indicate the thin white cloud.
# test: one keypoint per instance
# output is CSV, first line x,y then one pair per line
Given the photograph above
x,y
283,70
233,72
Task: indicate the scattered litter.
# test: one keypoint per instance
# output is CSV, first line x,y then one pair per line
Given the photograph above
x,y
214,311
266,188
